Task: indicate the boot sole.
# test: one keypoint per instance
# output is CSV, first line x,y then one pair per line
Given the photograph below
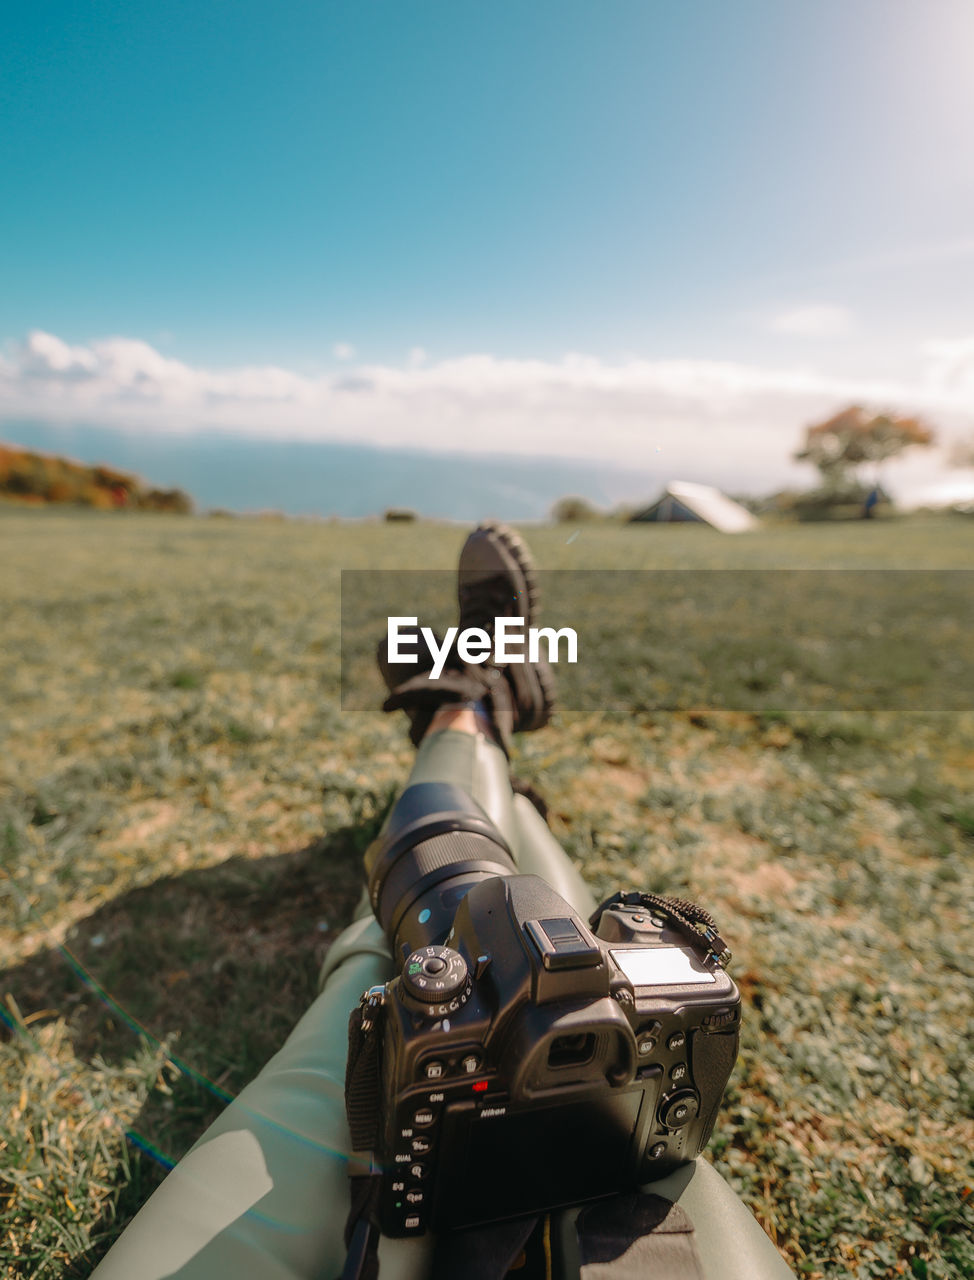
x,y
533,684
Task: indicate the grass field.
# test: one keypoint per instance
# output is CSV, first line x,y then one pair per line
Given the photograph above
x,y
184,803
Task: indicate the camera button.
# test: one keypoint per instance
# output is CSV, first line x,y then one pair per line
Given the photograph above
x,y
418,1171
422,1146
412,1222
678,1071
680,1109
677,1040
657,1150
433,1070
423,1117
646,1045
470,1064
415,1198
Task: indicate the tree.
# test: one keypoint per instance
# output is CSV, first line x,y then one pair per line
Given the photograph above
x,y
855,436
573,511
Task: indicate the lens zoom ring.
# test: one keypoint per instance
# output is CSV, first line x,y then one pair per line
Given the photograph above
x,y
446,850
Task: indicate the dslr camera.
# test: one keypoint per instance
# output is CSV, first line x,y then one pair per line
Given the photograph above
x,y
524,1058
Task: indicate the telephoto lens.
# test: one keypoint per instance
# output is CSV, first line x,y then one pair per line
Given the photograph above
x,y
436,845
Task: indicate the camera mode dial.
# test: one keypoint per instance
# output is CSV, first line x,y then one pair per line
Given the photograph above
x,y
436,979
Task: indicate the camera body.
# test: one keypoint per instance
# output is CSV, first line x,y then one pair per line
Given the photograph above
x,y
529,1063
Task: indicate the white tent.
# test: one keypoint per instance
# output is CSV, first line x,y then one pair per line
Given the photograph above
x,y
686,503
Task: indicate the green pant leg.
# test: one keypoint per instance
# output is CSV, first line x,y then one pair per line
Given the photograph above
x,y
538,853
476,765
479,767
263,1194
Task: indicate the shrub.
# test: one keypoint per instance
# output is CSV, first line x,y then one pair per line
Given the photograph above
x,y
573,510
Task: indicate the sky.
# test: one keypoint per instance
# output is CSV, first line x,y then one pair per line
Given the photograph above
x,y
657,235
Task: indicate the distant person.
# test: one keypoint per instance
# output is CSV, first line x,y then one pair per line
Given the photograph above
x,y
872,501
264,1193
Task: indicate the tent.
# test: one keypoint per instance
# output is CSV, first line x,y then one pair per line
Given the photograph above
x,y
686,503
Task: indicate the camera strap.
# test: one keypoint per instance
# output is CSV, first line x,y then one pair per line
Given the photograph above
x,y
697,925
362,1109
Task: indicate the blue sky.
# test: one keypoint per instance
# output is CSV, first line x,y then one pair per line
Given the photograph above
x,y
607,230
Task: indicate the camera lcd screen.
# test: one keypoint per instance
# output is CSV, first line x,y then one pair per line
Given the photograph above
x,y
532,1160
662,967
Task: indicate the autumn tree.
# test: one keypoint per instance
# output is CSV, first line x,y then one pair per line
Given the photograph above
x,y
855,436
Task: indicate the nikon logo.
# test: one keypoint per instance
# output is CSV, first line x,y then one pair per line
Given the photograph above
x,y
473,644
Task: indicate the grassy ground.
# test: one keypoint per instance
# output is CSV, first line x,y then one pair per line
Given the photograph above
x,y
183,806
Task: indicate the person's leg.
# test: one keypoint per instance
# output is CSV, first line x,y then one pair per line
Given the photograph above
x,y
264,1191
460,748
538,853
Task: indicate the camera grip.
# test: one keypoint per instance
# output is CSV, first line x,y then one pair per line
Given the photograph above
x,y
713,1055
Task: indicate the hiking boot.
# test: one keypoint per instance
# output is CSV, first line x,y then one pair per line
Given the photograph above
x,y
412,690
496,578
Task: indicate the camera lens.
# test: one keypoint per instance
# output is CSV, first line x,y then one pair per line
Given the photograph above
x,y
427,878
437,844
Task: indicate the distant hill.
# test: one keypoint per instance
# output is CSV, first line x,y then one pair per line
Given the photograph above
x,y
333,478
42,478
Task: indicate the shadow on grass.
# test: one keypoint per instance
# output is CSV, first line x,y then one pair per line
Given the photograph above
x,y
218,964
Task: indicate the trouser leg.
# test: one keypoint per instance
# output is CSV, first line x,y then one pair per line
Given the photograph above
x,y
264,1191
481,769
538,853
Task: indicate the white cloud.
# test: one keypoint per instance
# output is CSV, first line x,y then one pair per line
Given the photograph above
x,y
719,421
816,320
43,353
343,351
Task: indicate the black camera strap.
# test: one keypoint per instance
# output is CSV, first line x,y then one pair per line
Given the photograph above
x,y
697,925
362,1109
